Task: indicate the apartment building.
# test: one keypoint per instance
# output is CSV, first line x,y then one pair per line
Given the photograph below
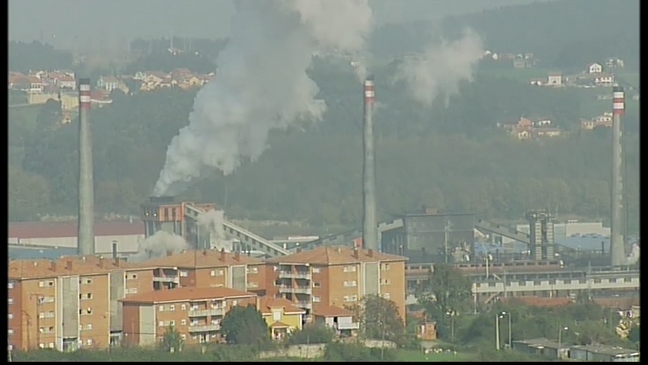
x,y
336,276
339,319
281,316
59,305
195,312
207,269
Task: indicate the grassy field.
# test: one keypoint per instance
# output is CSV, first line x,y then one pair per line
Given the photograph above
x,y
419,356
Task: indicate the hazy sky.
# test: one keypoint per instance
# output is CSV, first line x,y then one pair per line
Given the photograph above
x,y
61,22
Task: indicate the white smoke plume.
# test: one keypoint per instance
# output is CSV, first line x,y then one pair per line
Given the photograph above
x,y
213,221
261,83
158,245
439,70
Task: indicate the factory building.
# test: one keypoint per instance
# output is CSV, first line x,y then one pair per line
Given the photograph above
x,y
164,214
196,313
336,276
63,235
432,237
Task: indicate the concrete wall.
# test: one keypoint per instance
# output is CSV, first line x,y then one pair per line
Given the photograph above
x,y
530,285
117,286
103,244
147,325
302,351
239,277
69,299
371,284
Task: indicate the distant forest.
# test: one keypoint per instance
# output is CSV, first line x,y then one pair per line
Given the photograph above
x,y
452,158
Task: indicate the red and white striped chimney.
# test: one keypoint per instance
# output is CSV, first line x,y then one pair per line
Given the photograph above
x,y
369,93
618,101
84,94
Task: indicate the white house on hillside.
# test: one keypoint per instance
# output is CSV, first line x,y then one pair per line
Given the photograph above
x,y
594,68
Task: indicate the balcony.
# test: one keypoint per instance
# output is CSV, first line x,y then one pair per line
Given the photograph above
x,y
304,304
167,279
205,328
206,312
295,289
295,274
348,326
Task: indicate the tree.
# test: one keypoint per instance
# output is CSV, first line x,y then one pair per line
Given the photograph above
x,y
245,326
450,291
380,319
634,334
171,341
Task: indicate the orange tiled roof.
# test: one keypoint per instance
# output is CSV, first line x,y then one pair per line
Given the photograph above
x,y
266,303
335,255
201,259
40,268
187,294
331,311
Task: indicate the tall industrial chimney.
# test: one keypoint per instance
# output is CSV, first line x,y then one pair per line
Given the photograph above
x,y
86,235
617,242
369,230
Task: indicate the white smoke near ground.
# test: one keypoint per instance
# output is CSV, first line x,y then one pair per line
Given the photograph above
x,y
158,245
634,256
439,70
261,84
213,222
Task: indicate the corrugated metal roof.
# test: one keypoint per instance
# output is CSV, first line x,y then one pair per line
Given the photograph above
x,y
335,255
27,230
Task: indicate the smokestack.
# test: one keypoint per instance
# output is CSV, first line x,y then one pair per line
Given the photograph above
x,y
369,230
617,244
85,236
222,254
355,253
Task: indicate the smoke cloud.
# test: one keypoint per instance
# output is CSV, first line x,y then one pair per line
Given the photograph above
x,y
158,245
261,84
439,70
213,222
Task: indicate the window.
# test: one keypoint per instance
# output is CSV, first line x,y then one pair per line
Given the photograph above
x,y
386,296
234,303
87,281
349,269
89,326
316,270
582,281
597,281
131,291
252,270
172,323
276,315
253,284
10,331
41,345
10,300
491,285
10,285
384,282
184,274
316,284
552,282
537,282
522,283
350,283
172,307
183,336
385,267
10,316
50,283
183,322
41,284
161,308
612,280
316,299
350,298
89,342
217,272
48,300
183,307
160,323
85,296
51,345
627,280
567,281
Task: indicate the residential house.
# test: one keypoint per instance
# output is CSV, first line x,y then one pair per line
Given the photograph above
x,y
281,316
336,276
604,120
195,312
555,79
110,83
594,68
614,63
339,319
100,98
26,83
521,129
425,330
604,79
537,82
66,82
207,269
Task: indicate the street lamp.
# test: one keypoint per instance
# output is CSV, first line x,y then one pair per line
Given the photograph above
x,y
560,340
510,342
497,333
489,257
452,314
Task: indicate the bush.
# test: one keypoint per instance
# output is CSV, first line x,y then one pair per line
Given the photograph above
x,y
311,335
